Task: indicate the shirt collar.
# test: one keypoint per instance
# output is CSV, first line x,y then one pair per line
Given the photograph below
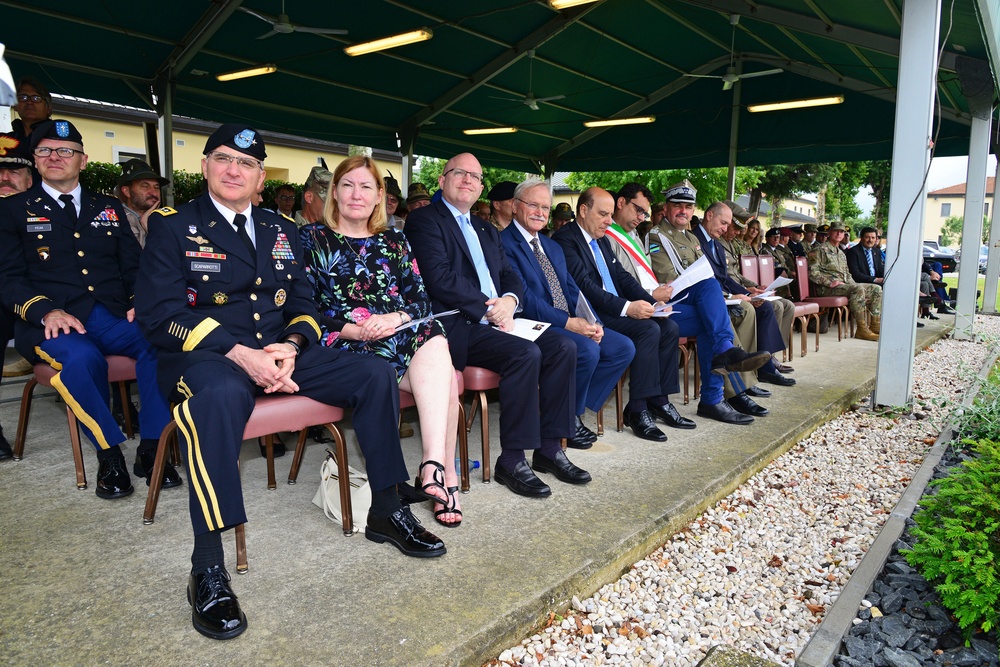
x,y
454,211
77,192
230,214
528,236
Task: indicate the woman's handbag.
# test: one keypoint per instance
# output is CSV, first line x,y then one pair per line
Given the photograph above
x,y
327,496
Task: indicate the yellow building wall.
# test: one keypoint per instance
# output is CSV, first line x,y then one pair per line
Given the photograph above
x,y
934,220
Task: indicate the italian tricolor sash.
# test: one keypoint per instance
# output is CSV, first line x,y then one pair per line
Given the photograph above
x,y
635,252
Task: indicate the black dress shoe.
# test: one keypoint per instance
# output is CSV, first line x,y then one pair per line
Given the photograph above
x,y
668,415
278,446
521,480
775,378
945,310
758,392
215,611
644,426
723,412
5,451
920,325
738,360
113,480
402,530
744,404
784,368
561,467
932,316
143,467
584,438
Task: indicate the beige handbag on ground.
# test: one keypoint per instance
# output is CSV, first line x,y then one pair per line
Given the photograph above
x,y
327,496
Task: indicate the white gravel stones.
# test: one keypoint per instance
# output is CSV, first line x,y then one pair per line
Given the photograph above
x,y
759,570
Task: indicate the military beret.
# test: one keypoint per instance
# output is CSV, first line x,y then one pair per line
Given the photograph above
x,y
14,152
502,191
60,130
772,232
238,137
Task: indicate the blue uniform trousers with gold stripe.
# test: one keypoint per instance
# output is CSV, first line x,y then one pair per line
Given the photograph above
x,y
216,399
82,380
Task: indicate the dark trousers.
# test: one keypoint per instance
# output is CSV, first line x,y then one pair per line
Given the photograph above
x,y
653,371
769,336
537,388
217,397
703,314
598,366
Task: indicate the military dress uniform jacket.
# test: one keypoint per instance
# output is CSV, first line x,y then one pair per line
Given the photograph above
x,y
48,262
201,291
686,244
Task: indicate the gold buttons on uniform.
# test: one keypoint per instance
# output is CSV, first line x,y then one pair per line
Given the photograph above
x,y
260,336
40,236
90,288
80,253
289,276
256,316
109,233
205,278
253,297
76,235
85,272
257,282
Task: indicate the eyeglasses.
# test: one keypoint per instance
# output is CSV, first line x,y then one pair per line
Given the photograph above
x,y
246,163
640,211
62,151
460,174
285,197
532,206
24,97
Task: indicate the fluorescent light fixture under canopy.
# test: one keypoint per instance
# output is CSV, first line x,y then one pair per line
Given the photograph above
x,y
244,73
421,35
491,130
611,122
796,104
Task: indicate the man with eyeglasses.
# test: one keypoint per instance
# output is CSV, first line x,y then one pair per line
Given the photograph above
x,y
284,200
224,298
464,267
68,262
551,295
34,106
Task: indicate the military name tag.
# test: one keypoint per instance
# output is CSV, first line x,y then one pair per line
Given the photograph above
x,y
210,267
39,228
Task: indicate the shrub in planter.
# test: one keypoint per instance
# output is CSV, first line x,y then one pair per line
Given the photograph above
x,y
958,539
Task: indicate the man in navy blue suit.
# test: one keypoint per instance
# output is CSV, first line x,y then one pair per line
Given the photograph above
x,y
550,295
716,220
464,267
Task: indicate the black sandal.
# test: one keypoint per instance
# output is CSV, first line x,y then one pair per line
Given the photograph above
x,y
436,483
449,508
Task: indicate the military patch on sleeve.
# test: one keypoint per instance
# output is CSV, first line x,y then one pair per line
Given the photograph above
x,y
165,210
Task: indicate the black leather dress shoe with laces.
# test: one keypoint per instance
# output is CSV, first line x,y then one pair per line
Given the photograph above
x,y
402,530
644,426
723,412
143,467
745,405
775,378
521,480
758,392
668,415
113,480
738,360
5,451
215,611
584,438
561,467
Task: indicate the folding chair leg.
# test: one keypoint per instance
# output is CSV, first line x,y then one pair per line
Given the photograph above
x,y
156,477
269,450
22,418
74,441
619,406
126,409
600,421
463,448
484,429
241,549
345,488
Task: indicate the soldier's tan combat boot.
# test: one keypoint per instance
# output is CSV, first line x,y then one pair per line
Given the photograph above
x,y
864,333
876,324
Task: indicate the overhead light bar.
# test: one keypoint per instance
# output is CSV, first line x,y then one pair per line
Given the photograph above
x,y
796,104
491,130
244,73
392,42
620,121
563,4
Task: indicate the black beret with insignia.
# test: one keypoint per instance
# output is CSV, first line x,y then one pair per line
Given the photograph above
x,y
238,137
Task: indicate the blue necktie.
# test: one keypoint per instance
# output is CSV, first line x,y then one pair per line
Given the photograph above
x,y
871,264
478,259
602,268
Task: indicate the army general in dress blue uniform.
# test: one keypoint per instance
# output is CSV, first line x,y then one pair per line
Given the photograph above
x,y
68,262
223,296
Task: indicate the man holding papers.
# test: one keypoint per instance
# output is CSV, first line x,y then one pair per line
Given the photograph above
x,y
464,266
624,306
551,295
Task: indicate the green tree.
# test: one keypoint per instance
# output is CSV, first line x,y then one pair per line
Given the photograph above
x,y
430,168
951,230
878,177
844,188
785,181
710,183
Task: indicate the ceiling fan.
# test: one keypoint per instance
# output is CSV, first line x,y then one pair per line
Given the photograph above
x,y
530,100
280,25
731,77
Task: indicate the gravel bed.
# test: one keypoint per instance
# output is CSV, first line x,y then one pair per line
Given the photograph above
x,y
760,569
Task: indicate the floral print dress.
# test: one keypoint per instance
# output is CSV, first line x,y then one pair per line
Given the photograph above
x,y
355,278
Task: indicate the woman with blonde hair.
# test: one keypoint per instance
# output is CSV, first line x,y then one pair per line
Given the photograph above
x,y
752,236
368,287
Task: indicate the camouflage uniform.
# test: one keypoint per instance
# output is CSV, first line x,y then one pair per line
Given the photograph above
x,y
828,264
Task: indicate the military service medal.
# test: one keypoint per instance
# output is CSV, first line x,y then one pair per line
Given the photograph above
x,y
279,298
220,298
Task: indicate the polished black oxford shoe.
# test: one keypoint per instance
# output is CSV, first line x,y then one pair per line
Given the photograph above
x,y
775,378
561,467
758,392
738,360
143,467
113,480
745,405
644,426
521,480
215,611
405,532
668,415
584,438
723,412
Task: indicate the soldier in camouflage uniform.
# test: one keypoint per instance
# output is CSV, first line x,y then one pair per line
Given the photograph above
x,y
829,274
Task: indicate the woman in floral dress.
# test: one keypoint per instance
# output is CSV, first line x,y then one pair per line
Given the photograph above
x,y
367,285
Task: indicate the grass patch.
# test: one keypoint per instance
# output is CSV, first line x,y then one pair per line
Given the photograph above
x,y
952,281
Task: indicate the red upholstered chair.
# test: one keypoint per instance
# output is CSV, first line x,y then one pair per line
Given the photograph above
x,y
837,305
479,381
271,414
750,268
803,311
120,370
